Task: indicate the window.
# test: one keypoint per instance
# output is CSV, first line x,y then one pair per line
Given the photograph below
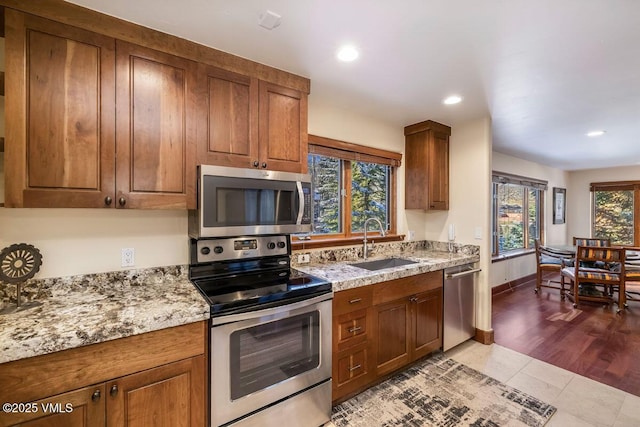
x,y
517,212
350,184
615,211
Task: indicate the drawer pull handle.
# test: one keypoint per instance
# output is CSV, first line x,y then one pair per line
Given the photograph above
x,y
413,299
354,368
355,300
355,329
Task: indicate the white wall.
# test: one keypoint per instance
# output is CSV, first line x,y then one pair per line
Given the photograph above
x,y
579,203
515,268
78,241
469,203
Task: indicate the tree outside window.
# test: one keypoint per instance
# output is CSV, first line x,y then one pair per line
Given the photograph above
x,y
351,183
615,211
517,207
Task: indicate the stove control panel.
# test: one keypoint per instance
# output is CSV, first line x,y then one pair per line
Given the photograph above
x,y
233,248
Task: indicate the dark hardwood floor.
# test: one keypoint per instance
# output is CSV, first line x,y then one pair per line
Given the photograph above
x,y
591,340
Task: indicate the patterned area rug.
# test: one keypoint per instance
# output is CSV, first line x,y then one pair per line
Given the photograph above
x,y
441,392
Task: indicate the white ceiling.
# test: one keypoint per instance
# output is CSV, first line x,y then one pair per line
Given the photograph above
x,y
546,71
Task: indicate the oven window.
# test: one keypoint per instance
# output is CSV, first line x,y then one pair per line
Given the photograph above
x,y
267,354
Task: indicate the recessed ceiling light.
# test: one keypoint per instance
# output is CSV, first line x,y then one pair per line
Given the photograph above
x,y
347,53
595,133
453,99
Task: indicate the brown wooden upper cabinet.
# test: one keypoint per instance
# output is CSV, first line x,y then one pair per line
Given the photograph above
x,y
427,166
246,122
77,98
156,128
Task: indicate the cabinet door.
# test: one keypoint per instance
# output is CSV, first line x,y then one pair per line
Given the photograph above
x,y
391,335
283,128
427,323
352,370
228,123
156,133
79,408
170,395
438,166
60,118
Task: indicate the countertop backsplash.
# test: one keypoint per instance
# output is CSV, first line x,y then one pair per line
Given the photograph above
x,y
354,253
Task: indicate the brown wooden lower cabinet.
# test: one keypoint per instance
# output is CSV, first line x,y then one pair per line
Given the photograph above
x,y
157,392
79,408
381,328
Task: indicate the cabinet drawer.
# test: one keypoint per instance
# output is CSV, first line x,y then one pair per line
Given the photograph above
x,y
352,299
400,288
352,365
350,329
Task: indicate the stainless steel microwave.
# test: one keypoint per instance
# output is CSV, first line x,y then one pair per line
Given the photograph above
x,y
235,201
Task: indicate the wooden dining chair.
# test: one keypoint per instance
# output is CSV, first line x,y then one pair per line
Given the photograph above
x,y
591,241
549,260
594,268
632,274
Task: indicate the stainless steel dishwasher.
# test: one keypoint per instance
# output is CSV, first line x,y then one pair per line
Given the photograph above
x,y
459,305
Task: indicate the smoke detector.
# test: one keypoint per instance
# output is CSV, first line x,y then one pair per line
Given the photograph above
x,y
269,20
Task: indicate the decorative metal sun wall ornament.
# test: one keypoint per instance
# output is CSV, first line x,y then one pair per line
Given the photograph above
x,y
18,263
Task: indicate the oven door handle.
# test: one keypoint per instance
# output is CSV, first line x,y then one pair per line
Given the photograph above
x,y
217,321
300,203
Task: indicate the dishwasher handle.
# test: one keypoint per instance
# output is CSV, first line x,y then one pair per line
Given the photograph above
x,y
463,273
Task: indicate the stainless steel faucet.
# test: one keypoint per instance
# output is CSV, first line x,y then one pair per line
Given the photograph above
x,y
364,241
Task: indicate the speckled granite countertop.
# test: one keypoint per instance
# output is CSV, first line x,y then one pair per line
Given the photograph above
x,y
88,309
344,275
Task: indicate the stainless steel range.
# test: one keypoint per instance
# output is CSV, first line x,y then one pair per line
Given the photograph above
x,y
270,336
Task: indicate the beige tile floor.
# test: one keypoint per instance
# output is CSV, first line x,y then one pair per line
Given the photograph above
x,y
581,402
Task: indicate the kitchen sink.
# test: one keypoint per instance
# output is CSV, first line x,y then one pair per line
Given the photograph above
x,y
381,264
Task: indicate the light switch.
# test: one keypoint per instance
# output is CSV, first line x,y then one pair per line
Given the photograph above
x,y
478,233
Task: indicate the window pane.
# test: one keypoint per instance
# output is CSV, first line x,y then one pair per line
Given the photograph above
x,y
327,206
613,216
510,217
534,218
369,194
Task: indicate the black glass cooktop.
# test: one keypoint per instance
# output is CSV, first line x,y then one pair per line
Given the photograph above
x,y
240,290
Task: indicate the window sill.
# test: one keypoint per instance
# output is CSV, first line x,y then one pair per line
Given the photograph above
x,y
315,243
513,254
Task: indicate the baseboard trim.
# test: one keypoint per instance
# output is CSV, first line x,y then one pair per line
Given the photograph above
x,y
484,337
512,284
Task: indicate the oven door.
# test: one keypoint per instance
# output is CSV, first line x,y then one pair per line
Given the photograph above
x,y
261,357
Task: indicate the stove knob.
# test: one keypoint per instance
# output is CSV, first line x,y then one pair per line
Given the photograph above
x,y
281,245
205,250
218,249
271,245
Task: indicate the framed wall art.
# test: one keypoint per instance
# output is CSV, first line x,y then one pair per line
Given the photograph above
x,y
559,205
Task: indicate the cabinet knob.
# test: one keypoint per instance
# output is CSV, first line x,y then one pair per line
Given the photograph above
x,y
108,200
264,165
95,396
256,164
114,390
413,299
122,201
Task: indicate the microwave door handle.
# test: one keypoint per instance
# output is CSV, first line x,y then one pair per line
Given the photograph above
x,y
300,203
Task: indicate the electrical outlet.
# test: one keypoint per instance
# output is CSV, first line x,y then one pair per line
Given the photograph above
x,y
304,258
411,235
128,257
